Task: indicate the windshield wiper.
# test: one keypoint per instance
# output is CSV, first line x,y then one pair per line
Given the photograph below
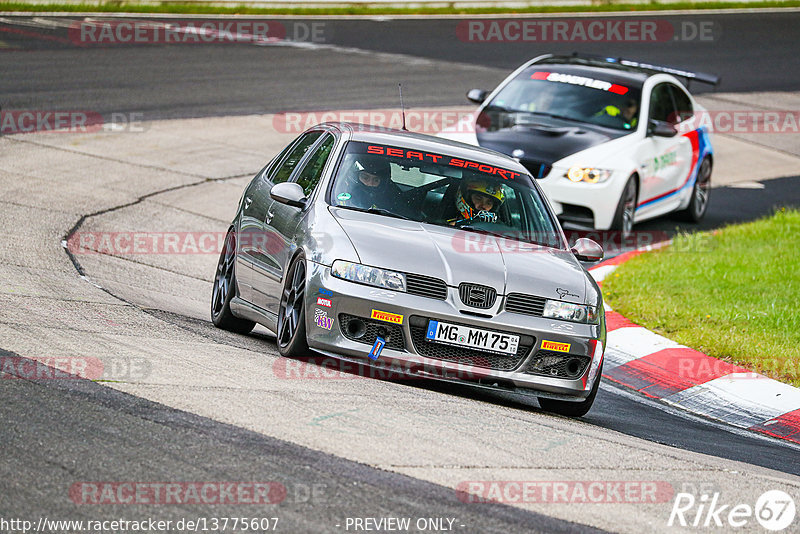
x,y
378,211
553,116
480,230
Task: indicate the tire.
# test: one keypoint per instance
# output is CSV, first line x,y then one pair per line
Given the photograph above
x,y
291,330
698,205
626,209
224,290
572,409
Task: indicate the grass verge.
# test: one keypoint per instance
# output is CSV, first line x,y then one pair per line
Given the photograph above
x,y
119,6
732,294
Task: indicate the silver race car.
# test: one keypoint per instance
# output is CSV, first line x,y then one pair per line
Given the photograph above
x,y
405,251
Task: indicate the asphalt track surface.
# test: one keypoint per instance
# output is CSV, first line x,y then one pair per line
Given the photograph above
x,y
56,432
105,433
751,52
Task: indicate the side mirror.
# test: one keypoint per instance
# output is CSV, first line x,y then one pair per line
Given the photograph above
x,y
587,250
477,95
661,129
289,193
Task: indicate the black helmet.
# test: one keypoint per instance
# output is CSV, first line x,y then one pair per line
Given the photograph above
x,y
374,165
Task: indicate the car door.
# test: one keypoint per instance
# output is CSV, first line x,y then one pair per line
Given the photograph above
x,y
283,221
667,159
277,225
255,202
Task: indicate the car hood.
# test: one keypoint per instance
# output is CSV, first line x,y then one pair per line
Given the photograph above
x,y
457,256
545,143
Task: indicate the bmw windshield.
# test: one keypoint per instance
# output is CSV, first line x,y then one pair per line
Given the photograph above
x,y
442,190
565,95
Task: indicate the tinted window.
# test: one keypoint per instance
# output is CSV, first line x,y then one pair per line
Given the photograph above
x,y
571,95
442,190
312,172
661,107
682,103
297,152
272,165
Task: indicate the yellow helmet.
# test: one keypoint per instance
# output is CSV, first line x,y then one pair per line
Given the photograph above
x,y
494,191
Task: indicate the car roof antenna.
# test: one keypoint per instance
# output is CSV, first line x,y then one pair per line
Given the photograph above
x,y
402,108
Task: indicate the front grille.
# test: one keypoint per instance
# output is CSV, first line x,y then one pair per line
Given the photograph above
x,y
463,355
426,286
557,364
539,169
392,333
525,304
476,296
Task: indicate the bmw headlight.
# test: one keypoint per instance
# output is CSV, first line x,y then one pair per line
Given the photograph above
x,y
588,174
371,276
567,311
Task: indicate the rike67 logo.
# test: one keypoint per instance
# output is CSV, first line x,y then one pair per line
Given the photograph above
x,y
774,510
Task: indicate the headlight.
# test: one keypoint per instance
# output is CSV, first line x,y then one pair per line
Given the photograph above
x,y
567,311
588,174
371,276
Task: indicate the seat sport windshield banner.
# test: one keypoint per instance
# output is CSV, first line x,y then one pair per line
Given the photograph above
x,y
426,157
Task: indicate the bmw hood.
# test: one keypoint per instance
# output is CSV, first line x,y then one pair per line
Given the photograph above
x,y
457,256
545,144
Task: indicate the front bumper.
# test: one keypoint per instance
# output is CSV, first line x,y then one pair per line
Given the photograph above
x,y
407,349
600,199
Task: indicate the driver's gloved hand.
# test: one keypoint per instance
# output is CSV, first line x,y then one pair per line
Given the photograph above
x,y
486,216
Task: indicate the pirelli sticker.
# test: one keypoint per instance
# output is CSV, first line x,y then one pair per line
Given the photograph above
x,y
555,345
387,317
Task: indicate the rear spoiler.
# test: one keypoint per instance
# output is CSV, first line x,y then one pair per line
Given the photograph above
x,y
696,76
689,75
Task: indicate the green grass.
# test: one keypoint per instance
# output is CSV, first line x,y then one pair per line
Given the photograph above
x,y
121,6
733,294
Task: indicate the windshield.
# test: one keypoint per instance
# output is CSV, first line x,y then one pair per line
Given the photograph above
x,y
442,190
545,92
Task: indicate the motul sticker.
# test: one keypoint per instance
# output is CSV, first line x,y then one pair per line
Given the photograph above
x,y
323,302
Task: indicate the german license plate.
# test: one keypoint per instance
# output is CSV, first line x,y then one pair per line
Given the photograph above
x,y
474,338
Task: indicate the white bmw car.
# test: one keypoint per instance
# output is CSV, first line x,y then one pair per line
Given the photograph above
x,y
611,141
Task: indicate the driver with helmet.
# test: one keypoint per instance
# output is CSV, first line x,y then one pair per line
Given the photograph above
x,y
370,185
477,200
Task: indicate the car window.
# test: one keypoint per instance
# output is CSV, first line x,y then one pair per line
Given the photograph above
x,y
312,171
536,93
661,106
298,150
682,102
270,168
443,190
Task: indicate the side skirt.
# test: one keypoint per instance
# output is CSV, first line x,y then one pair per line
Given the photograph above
x,y
245,310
